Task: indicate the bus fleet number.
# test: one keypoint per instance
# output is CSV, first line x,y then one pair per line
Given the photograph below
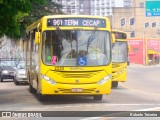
x,y
59,68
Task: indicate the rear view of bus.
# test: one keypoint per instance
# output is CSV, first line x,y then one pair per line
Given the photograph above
x,y
73,56
119,58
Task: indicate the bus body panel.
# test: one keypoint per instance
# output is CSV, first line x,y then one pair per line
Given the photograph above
x,y
119,72
67,79
66,89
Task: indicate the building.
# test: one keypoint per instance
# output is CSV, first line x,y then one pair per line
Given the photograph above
x,y
133,20
143,32
143,50
121,3
91,7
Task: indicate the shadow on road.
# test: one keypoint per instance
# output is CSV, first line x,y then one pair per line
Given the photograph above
x,y
67,99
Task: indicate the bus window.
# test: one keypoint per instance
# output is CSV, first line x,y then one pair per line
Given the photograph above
x,y
119,52
52,47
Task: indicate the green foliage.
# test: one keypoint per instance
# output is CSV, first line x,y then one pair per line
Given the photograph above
x,y
15,15
9,9
38,11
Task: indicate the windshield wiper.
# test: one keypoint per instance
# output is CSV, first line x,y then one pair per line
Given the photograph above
x,y
90,39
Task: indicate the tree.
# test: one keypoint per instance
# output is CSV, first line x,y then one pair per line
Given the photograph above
x,y
39,10
15,15
48,8
9,12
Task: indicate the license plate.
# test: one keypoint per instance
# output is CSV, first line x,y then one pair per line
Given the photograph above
x,y
76,90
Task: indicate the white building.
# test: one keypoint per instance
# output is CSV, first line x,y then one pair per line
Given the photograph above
x,y
101,7
121,3
92,7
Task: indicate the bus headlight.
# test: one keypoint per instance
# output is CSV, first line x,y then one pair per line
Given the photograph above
x,y
49,80
105,79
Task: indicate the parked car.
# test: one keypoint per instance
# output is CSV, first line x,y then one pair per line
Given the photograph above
x,y
20,73
7,69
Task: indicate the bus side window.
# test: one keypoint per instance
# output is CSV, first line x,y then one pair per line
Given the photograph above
x,y
48,47
57,45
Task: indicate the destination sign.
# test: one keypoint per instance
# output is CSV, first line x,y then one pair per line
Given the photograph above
x,y
82,22
119,35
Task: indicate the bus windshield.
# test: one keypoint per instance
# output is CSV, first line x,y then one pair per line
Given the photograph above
x,y
76,48
119,52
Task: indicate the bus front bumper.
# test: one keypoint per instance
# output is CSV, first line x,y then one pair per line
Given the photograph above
x,y
74,89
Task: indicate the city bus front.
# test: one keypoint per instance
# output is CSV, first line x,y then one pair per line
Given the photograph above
x,y
75,60
119,62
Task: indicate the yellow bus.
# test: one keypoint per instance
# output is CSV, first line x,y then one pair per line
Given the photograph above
x,y
119,57
69,55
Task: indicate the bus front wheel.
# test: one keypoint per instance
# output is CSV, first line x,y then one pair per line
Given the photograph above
x,y
114,84
31,89
40,97
97,97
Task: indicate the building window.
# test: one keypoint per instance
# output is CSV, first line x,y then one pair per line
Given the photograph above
x,y
154,24
141,5
132,34
123,21
127,3
73,11
158,31
146,24
132,21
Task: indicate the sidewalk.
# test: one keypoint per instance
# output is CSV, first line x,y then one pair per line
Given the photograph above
x,y
140,65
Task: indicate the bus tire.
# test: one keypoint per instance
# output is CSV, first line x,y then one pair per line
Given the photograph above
x,y
1,79
98,97
31,89
40,97
114,84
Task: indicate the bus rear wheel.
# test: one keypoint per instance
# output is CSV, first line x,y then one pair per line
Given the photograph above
x,y
98,97
31,89
114,84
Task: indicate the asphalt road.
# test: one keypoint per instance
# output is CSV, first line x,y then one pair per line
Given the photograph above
x,y
139,93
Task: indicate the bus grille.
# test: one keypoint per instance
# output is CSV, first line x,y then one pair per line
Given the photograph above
x,y
76,74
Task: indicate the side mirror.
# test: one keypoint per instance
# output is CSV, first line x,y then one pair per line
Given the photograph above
x,y
37,37
113,38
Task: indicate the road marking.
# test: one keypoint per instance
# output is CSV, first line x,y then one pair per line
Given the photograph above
x,y
103,104
131,104
131,89
150,109
92,118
